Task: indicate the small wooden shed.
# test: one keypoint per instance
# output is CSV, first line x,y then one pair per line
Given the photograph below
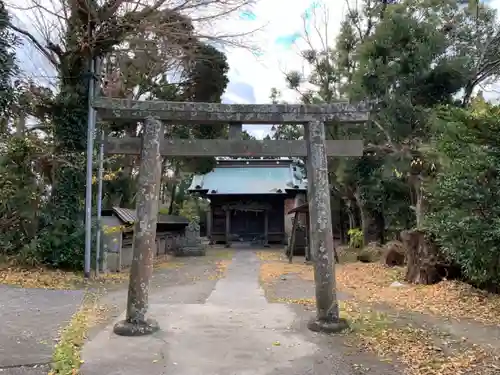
x,y
118,233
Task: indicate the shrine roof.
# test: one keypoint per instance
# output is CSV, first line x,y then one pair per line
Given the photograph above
x,y
302,209
129,216
242,176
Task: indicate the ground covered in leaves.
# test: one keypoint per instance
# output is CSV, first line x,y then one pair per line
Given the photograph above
x,y
391,332
450,299
47,278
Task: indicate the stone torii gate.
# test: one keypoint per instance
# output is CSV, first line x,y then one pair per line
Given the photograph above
x,y
153,145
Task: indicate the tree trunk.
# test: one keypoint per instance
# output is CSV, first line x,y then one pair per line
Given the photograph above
x,y
342,230
164,181
350,214
419,204
469,89
172,199
20,125
174,190
364,223
380,220
419,209
422,258
362,217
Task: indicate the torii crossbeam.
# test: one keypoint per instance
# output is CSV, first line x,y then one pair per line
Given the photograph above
x,y
153,145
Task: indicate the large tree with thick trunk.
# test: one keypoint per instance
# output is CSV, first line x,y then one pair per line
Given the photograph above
x,y
139,44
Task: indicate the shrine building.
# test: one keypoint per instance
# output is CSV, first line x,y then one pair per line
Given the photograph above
x,y
250,199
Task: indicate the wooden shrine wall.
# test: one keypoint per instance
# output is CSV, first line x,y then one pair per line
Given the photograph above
x,y
249,224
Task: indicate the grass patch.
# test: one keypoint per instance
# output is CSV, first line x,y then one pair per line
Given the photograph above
x,y
66,359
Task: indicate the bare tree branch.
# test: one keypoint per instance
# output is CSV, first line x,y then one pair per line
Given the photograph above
x,y
35,42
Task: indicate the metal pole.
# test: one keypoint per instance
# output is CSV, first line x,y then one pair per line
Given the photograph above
x,y
88,190
99,204
99,175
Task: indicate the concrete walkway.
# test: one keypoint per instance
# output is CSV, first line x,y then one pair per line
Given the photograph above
x,y
31,321
235,332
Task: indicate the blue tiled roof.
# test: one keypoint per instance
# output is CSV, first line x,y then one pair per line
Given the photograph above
x,y
251,179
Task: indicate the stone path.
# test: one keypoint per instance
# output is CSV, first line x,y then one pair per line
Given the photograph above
x,y
234,332
31,319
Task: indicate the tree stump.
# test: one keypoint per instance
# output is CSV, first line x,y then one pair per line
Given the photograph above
x,y
394,254
423,258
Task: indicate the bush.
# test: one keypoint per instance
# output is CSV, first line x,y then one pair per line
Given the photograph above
x,y
355,238
58,247
464,216
20,195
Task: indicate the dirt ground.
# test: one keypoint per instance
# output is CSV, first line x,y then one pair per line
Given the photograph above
x,y
448,328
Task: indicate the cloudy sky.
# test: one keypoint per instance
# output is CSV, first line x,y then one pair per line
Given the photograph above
x,y
284,28
287,26
291,25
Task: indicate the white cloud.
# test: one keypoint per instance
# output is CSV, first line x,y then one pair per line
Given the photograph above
x,y
282,19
